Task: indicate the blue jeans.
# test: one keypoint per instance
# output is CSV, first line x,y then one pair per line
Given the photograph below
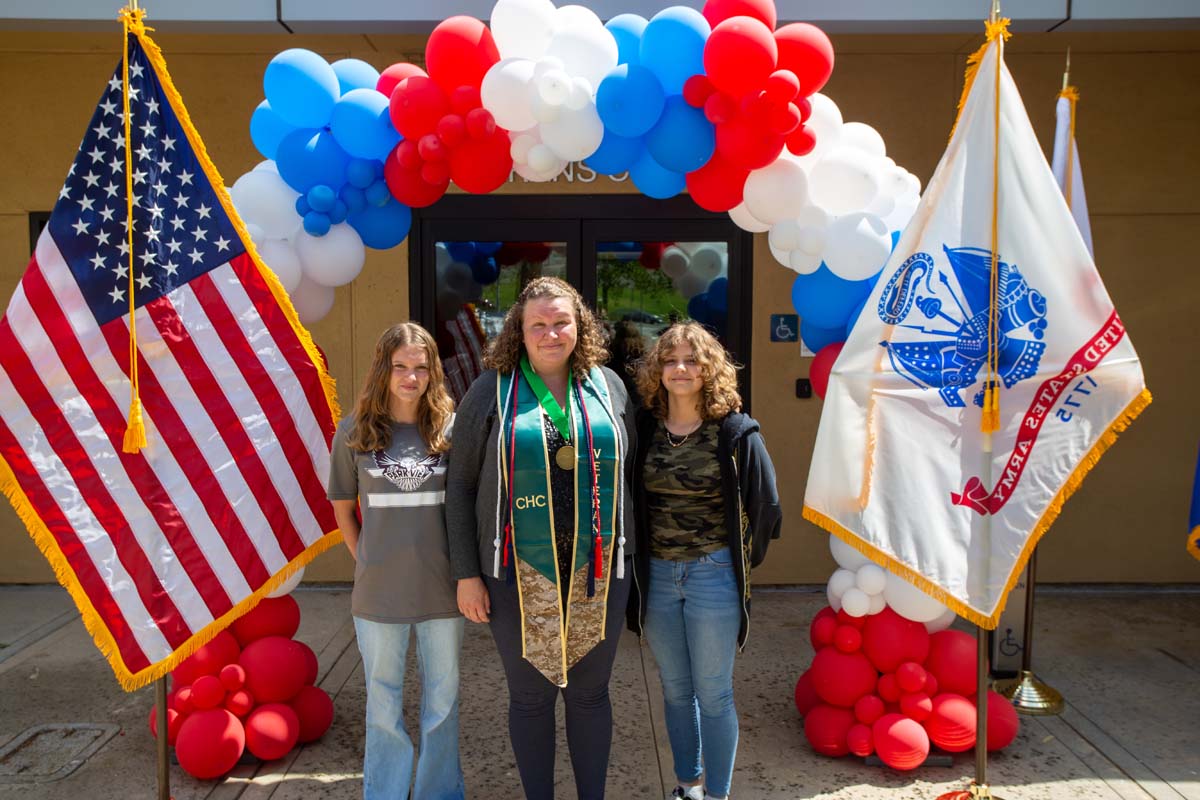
x,y
388,762
693,614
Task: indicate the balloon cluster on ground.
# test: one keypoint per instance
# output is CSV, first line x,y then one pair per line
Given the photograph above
x,y
890,676
249,689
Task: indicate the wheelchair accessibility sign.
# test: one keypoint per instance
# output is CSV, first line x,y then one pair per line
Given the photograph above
x,y
785,328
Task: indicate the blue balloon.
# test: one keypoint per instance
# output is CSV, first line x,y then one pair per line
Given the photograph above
x,y
463,252
353,73
267,130
683,140
718,295
672,46
697,308
316,223
321,198
301,88
655,180
485,270
354,198
302,206
339,212
307,158
360,172
488,248
825,300
378,194
627,29
382,227
816,338
362,124
616,154
630,100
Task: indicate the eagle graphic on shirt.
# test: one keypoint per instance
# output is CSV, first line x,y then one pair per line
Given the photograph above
x,y
407,474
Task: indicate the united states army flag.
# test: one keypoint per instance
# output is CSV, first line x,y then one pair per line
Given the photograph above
x,y
991,285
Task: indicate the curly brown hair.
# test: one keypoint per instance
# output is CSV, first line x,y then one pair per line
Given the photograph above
x,y
504,354
719,393
372,429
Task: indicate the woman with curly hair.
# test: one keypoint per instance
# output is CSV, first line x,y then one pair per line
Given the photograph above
x,y
537,496
389,458
706,508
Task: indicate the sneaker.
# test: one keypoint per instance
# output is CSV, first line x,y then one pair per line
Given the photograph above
x,y
714,797
689,793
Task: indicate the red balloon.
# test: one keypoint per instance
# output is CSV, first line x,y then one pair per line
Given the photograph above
x,y
272,730
841,678
826,728
233,677
900,742
431,148
952,660
240,703
509,254
847,639
459,52
916,705
719,108
391,77
452,129
868,708
222,649
717,11
314,709
696,90
311,667
652,253
784,119
537,252
182,701
860,740
274,616
407,185
782,86
805,106
480,123
210,743
275,669
911,676
951,723
436,173
1002,721
207,692
482,165
931,684
718,185
174,723
416,106
748,142
826,631
801,141
465,99
806,697
889,640
822,365
805,50
888,688
739,55
854,622
408,155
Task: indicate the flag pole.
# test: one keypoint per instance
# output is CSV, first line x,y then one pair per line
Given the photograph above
x,y
160,710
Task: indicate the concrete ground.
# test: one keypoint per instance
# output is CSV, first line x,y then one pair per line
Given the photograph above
x,y
1127,662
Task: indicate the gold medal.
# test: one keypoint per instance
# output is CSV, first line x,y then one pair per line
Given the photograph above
x,y
565,457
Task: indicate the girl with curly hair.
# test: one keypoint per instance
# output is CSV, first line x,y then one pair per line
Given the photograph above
x,y
538,497
706,507
390,458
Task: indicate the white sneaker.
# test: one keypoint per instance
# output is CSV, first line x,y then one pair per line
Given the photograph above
x,y
714,797
690,793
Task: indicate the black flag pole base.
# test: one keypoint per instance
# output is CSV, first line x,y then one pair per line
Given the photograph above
x,y
1030,695
975,791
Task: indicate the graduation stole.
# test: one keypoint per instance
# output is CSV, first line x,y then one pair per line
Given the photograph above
x,y
554,637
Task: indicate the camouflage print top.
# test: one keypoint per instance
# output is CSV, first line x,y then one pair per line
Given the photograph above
x,y
683,495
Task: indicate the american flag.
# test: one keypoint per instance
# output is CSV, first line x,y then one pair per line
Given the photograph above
x,y
163,548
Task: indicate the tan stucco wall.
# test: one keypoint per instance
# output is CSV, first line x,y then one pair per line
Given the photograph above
x,y
1136,132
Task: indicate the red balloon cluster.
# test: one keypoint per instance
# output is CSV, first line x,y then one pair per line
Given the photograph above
x,y
250,688
511,253
755,88
448,134
882,684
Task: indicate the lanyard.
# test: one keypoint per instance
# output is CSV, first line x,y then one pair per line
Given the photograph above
x,y
557,414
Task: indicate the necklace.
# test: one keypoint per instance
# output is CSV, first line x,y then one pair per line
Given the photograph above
x,y
671,436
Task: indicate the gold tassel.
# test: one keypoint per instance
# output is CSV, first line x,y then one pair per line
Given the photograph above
x,y
135,432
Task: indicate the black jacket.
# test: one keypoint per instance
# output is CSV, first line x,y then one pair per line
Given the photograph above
x,y
751,522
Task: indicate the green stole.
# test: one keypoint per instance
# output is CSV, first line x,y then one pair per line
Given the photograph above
x,y
555,637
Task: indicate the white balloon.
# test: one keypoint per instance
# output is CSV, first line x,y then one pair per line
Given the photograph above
x,y
266,166
530,174
901,214
542,158
910,602
448,303
674,262
834,602
311,300
841,581
585,46
777,191
542,111
877,603
784,235
858,246
825,124
256,234
863,137
747,221
782,256
707,263
811,237
554,87
280,256
263,199
843,180
547,63
581,94
943,622
846,556
522,28
871,578
458,278
287,586
334,259
690,284
882,205
855,602
574,135
505,93
441,259
803,262
522,143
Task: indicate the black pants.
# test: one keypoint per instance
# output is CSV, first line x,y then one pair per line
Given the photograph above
x,y
531,698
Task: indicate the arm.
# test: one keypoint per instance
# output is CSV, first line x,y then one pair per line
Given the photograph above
x,y
471,430
761,498
342,488
344,511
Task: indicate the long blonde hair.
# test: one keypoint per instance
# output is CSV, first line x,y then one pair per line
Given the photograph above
x,y
719,393
372,428
505,353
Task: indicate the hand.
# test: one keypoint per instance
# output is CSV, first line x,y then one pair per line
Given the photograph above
x,y
473,600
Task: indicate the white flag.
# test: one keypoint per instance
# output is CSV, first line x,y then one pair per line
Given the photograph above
x,y
1066,163
901,469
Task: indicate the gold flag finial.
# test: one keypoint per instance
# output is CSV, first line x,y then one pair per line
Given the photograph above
x,y
995,13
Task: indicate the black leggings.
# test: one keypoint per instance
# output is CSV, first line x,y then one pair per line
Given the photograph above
x,y
531,698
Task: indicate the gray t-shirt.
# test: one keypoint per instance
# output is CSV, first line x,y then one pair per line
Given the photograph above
x,y
402,572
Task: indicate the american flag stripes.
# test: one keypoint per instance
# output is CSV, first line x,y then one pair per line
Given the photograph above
x,y
162,548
